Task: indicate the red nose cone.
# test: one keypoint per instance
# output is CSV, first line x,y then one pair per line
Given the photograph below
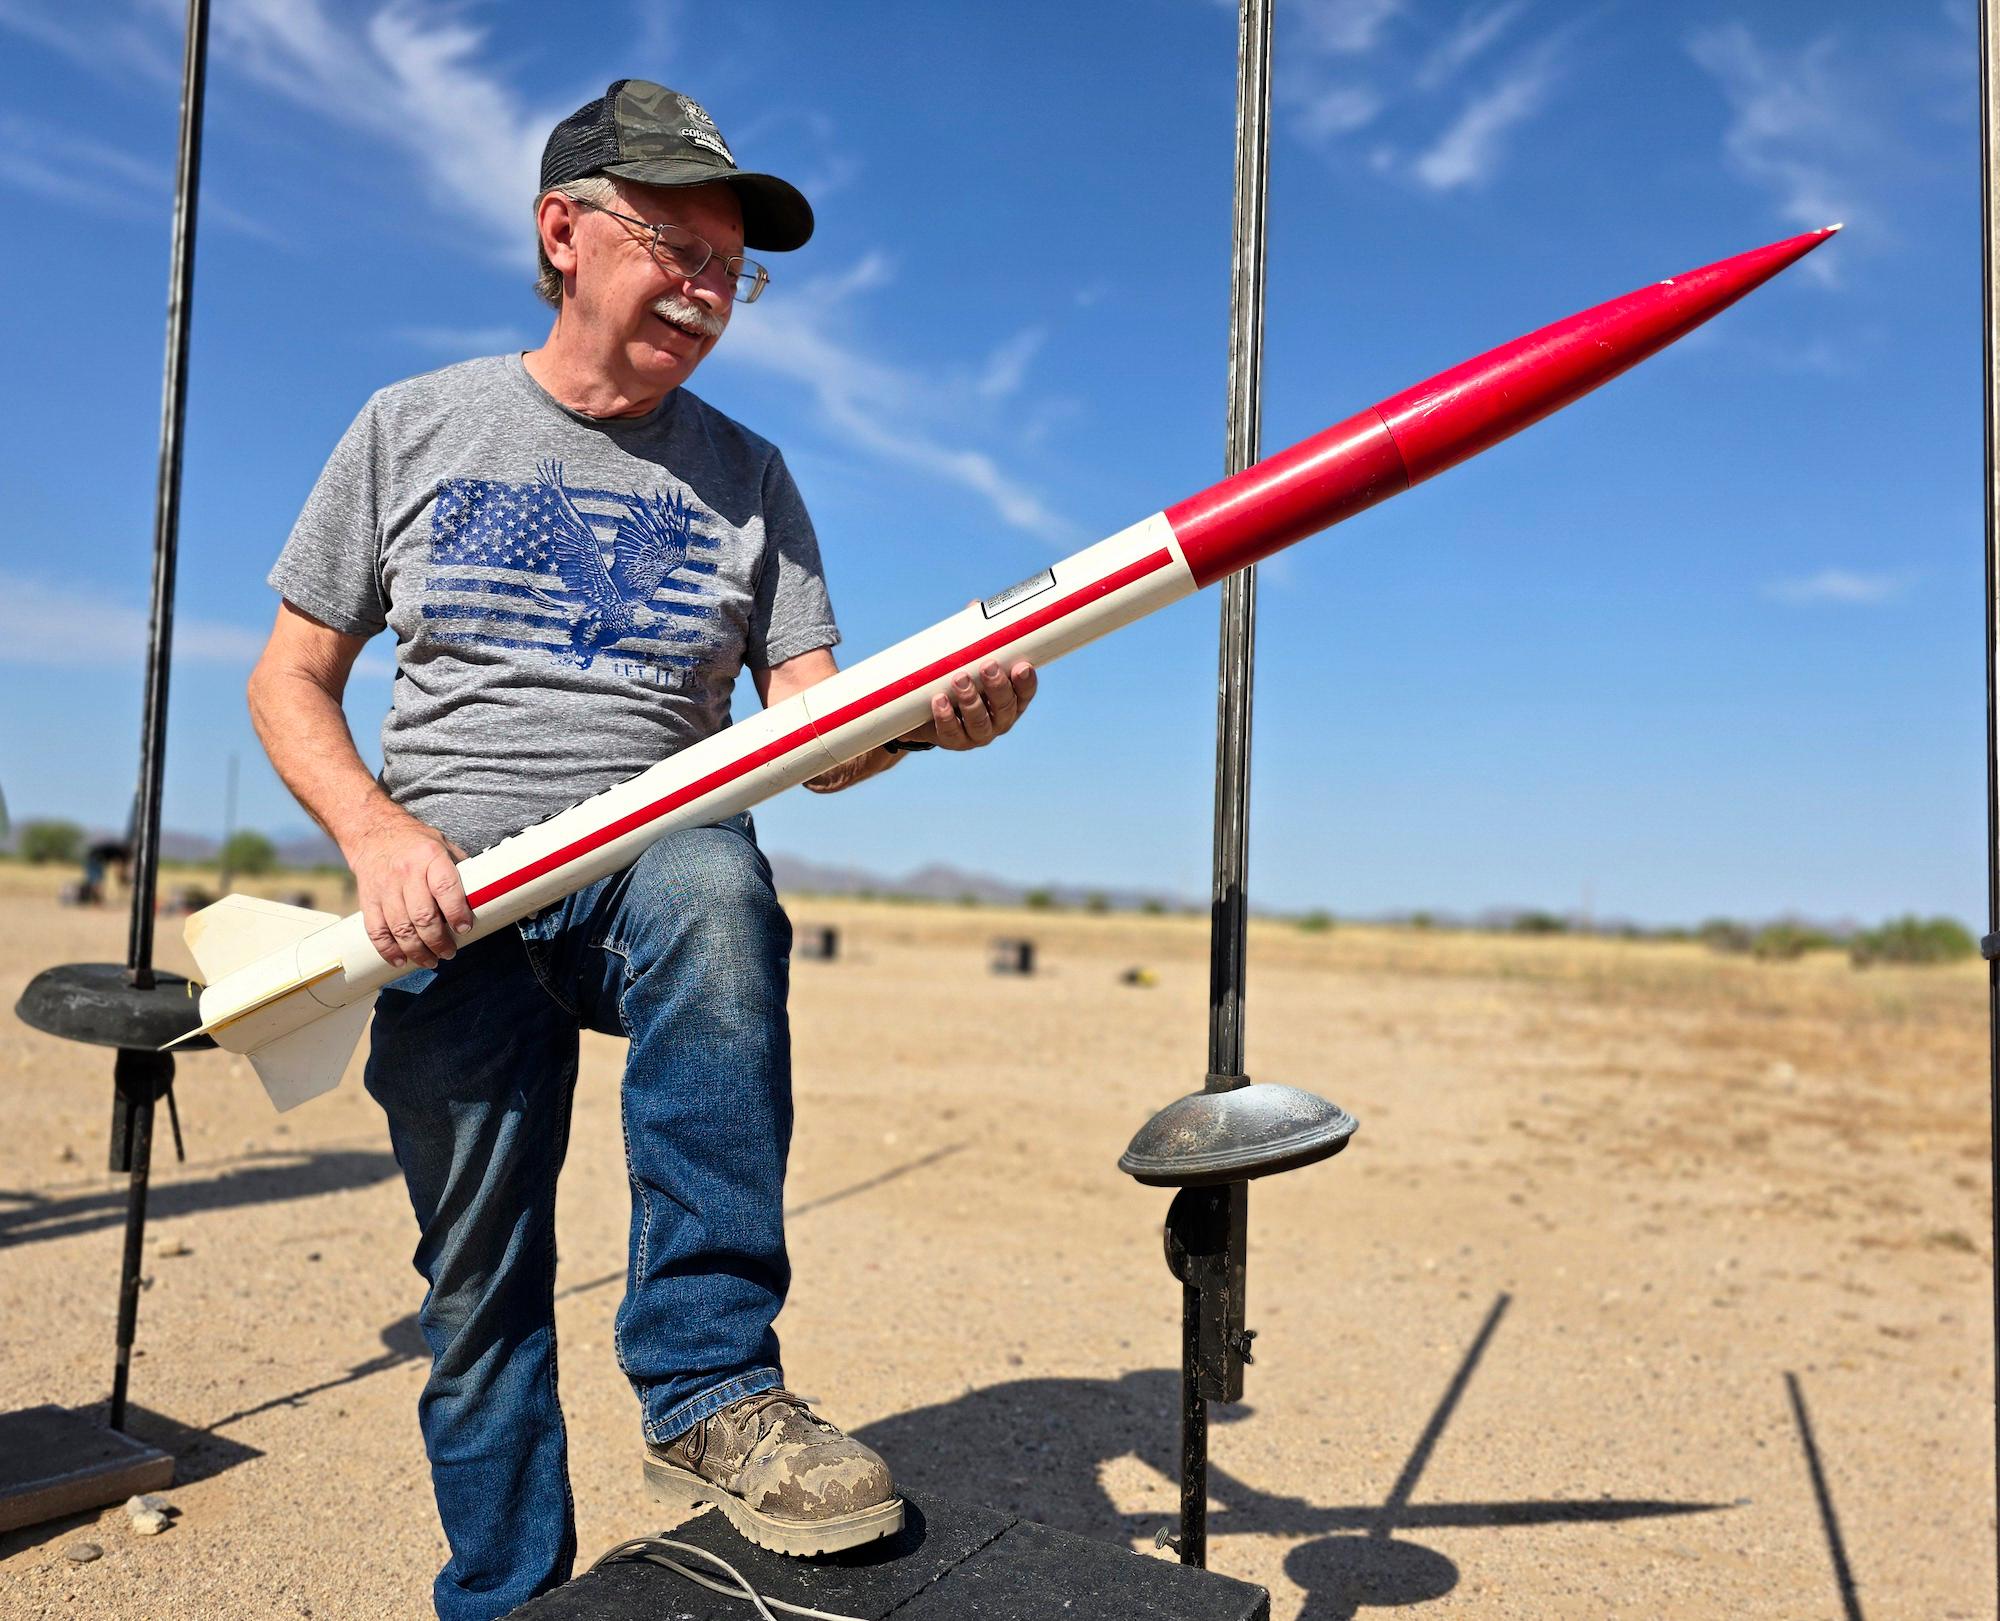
x,y
1459,412
1456,414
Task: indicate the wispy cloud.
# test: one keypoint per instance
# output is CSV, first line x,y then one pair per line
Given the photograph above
x,y
413,75
100,179
100,43
38,627
1848,587
418,77
1344,27
875,405
1793,128
1470,149
1476,32
462,342
1432,121
1007,367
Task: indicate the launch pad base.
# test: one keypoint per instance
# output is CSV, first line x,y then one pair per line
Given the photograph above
x,y
950,1560
55,1462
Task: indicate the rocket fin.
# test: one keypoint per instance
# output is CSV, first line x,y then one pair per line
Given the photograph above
x,y
313,1057
238,929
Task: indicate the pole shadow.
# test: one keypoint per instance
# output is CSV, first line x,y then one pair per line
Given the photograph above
x,y
28,1217
1836,1545
1036,1447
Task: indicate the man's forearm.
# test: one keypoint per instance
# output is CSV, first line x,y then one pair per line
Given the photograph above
x,y
859,769
304,731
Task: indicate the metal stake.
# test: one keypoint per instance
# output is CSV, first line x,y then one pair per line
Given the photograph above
x,y
167,505
142,1078
1989,171
1212,1302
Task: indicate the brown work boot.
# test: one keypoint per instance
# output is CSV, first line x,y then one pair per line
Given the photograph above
x,y
788,1480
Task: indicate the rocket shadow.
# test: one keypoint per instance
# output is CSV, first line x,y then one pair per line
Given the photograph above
x,y
1035,1447
29,1217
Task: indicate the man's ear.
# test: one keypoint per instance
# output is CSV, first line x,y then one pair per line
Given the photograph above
x,y
556,218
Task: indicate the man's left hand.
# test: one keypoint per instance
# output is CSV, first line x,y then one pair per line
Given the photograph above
x,y
978,706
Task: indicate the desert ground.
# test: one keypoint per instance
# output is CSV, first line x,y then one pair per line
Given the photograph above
x,y
1631,1234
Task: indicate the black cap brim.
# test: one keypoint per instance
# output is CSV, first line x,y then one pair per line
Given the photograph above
x,y
776,216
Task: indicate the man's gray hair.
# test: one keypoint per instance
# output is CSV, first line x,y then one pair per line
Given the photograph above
x,y
592,188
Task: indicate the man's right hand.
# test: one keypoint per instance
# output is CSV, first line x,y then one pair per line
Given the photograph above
x,y
411,899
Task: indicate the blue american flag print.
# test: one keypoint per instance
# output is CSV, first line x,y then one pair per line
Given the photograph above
x,y
579,575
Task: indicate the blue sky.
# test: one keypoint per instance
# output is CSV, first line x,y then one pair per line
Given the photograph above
x,y
1710,642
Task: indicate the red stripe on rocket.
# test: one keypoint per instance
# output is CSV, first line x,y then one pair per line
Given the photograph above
x,y
292,988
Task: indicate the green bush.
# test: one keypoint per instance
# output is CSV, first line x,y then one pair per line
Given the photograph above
x,y
1725,934
249,854
1038,900
1316,922
1539,923
1097,904
42,842
1787,942
1913,941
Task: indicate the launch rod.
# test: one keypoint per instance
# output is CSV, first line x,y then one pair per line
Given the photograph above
x,y
1989,176
268,966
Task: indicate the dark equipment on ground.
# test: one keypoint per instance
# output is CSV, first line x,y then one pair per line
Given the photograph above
x,y
1012,957
817,942
950,1561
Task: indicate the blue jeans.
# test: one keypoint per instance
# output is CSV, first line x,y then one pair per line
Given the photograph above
x,y
686,953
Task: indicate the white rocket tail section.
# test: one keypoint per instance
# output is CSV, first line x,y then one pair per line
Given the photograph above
x,y
313,1057
238,929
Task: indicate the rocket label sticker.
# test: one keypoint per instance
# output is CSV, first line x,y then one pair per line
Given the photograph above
x,y
577,574
1034,586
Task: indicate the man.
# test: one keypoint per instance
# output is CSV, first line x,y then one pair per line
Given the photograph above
x,y
470,511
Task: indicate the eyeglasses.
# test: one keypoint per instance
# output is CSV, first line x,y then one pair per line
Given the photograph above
x,y
679,252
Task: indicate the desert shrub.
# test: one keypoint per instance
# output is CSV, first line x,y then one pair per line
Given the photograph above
x,y
1787,942
1097,903
1914,941
1038,900
41,842
1153,908
249,853
1316,922
1422,920
1725,934
1539,923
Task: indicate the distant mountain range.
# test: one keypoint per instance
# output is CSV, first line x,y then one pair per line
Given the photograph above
x,y
308,847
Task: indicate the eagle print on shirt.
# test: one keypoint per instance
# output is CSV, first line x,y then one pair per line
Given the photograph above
x,y
576,574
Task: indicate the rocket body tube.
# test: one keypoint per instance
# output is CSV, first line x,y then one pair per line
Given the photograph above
x,y
278,974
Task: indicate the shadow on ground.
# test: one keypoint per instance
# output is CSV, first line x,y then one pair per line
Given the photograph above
x,y
197,1455
28,1217
1036,1448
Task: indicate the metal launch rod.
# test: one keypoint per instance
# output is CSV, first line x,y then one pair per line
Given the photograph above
x,y
1989,173
145,1077
167,504
1212,1294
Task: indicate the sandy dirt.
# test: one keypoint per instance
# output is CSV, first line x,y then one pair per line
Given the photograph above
x,y
1618,1219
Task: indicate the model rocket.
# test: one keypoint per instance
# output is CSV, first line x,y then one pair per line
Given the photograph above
x,y
292,988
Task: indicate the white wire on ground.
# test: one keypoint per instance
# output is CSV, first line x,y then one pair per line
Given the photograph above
x,y
647,1548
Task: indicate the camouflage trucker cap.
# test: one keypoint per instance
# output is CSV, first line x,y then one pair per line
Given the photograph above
x,y
642,131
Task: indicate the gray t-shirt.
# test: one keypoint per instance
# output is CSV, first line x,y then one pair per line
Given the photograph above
x,y
572,598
